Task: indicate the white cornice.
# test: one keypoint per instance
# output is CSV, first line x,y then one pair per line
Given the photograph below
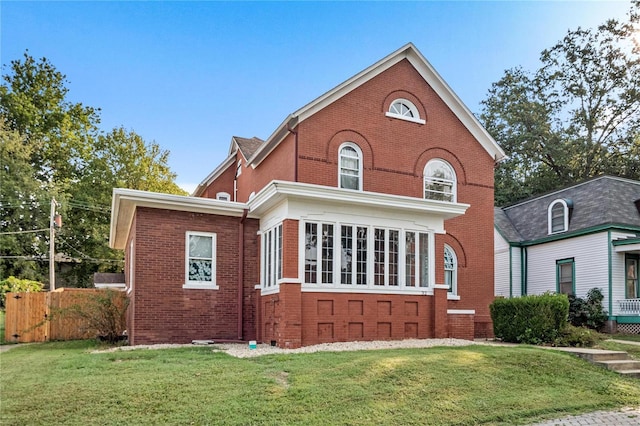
x,y
426,70
277,191
125,202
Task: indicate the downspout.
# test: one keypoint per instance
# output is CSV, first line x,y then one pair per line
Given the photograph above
x,y
241,272
510,271
295,152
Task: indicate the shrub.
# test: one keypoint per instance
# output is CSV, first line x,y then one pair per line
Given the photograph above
x,y
15,285
104,314
588,313
581,337
533,319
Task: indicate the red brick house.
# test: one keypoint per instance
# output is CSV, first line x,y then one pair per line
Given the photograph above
x,y
366,215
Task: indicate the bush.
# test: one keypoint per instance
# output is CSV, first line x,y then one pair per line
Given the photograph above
x,y
580,337
531,319
15,285
588,313
104,314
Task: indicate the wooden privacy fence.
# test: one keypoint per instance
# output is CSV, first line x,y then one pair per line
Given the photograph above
x,y
40,317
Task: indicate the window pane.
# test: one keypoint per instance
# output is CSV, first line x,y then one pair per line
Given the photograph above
x,y
393,257
557,218
631,272
346,244
410,262
269,259
279,275
349,182
200,270
565,277
423,244
311,253
350,163
448,279
327,254
379,254
361,259
449,268
200,246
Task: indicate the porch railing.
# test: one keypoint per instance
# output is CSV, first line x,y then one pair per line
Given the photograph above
x,y
630,306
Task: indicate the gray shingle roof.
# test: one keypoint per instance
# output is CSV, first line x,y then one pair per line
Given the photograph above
x,y
248,146
600,201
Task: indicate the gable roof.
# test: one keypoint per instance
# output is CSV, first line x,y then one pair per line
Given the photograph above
x,y
605,200
246,146
422,66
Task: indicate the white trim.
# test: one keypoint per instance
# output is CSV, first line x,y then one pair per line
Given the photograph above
x,y
200,284
132,249
402,117
454,278
278,191
222,195
454,181
214,174
452,296
358,151
626,248
422,66
126,201
441,286
324,288
565,213
412,108
268,291
117,286
461,311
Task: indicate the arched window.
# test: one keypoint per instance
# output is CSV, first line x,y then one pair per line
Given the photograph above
x,y
405,110
439,181
350,166
558,215
450,269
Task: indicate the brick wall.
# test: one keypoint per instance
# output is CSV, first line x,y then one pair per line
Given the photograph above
x,y
163,311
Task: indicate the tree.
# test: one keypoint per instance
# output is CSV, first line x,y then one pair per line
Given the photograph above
x,y
54,148
576,117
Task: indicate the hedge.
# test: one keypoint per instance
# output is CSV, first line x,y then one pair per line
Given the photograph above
x,y
530,319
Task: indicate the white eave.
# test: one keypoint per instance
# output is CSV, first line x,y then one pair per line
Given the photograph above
x,y
278,191
215,174
125,202
426,70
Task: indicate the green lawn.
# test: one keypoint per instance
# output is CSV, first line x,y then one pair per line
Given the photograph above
x,y
632,350
62,383
632,337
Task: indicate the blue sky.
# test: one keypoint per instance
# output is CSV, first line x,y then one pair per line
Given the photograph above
x,y
190,75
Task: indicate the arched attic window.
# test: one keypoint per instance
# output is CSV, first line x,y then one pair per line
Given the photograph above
x,y
439,181
350,166
558,215
405,110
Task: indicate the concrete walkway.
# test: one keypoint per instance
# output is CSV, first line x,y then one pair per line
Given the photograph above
x,y
623,417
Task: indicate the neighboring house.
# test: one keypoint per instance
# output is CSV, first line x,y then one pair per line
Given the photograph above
x,y
573,240
366,215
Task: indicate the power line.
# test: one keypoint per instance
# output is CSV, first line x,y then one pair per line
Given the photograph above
x,y
24,232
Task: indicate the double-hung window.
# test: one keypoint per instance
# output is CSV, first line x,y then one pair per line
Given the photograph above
x,y
200,260
350,171
565,276
439,181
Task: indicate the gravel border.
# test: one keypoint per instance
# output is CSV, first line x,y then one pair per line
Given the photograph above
x,y
241,350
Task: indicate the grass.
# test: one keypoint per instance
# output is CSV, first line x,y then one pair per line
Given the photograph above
x,y
62,383
630,337
632,350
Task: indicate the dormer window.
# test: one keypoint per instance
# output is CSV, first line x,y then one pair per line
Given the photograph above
x,y
439,181
404,110
350,169
558,216
223,196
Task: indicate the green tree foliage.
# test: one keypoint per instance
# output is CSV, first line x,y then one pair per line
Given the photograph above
x,y
51,147
576,117
14,285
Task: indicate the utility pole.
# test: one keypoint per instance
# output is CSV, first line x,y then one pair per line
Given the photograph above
x,y
52,234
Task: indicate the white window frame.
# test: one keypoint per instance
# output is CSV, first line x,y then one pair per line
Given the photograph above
x,y
430,179
271,258
202,285
132,248
565,213
223,196
453,289
340,156
387,287
412,114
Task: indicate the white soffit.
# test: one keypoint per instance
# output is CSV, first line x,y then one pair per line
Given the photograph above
x,y
125,202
